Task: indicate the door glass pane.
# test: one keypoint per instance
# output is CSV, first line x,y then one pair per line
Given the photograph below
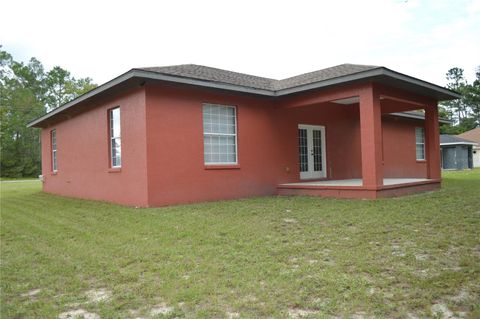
x,y
303,149
317,150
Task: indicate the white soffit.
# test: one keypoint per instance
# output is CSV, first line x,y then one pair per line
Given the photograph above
x,y
348,100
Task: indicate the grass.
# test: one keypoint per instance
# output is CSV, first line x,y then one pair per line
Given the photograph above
x,y
275,257
7,179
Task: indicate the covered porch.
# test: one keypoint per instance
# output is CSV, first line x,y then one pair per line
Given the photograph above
x,y
374,161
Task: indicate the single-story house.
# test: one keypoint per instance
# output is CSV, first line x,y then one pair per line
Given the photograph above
x,y
187,133
456,153
474,136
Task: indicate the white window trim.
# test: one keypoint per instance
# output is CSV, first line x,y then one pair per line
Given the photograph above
x,y
222,134
54,150
111,138
423,144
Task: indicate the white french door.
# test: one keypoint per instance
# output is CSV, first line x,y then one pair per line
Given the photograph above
x,y
311,149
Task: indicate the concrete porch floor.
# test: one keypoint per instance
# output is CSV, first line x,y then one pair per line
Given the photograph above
x,y
356,182
353,188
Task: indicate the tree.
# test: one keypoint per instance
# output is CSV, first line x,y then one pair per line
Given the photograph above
x,y
27,92
457,83
62,87
472,98
465,111
21,94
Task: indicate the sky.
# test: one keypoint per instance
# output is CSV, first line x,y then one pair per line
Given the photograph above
x,y
275,39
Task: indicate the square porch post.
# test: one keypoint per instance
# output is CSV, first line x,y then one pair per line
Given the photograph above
x,y
371,138
432,142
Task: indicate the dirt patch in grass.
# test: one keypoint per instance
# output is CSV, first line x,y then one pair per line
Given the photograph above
x,y
78,314
232,315
398,251
462,296
98,295
301,313
421,257
161,309
441,310
360,315
32,293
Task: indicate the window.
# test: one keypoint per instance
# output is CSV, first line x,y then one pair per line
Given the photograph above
x,y
53,141
219,134
420,143
115,140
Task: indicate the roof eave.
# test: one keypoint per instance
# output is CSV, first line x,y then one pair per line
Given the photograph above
x,y
373,73
459,143
419,117
410,79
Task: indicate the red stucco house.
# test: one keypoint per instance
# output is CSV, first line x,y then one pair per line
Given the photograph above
x,y
188,133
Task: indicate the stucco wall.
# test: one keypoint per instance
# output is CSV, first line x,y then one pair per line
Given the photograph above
x,y
83,154
267,145
342,133
162,147
399,155
176,170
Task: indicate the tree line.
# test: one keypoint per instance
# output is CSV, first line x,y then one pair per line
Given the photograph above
x,y
28,91
463,112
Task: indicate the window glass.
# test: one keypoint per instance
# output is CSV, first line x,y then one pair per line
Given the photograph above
x,y
53,137
420,143
220,134
115,139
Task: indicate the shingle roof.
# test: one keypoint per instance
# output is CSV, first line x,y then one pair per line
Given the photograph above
x,y
322,75
453,139
472,135
218,75
204,76
206,73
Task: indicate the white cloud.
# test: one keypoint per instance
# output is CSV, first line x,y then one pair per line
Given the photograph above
x,y
281,38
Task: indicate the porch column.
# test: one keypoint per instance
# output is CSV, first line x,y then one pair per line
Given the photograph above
x,y
371,138
432,141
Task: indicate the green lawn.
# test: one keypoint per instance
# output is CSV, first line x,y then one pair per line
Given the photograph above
x,y
275,257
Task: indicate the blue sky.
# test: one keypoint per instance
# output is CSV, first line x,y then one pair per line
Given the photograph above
x,y
102,39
